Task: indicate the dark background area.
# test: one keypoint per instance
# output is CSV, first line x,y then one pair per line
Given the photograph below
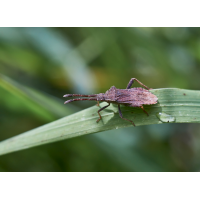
x,y
56,61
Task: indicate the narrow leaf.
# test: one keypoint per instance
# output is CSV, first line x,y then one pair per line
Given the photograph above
x,y
183,106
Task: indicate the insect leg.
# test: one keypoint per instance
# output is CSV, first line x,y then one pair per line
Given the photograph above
x,y
132,81
97,103
101,110
144,110
120,114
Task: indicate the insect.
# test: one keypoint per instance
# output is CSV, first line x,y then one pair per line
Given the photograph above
x,y
132,97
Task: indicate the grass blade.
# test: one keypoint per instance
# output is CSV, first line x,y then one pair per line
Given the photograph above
x,y
183,105
42,105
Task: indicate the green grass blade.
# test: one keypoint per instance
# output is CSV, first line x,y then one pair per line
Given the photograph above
x,y
42,105
181,105
64,53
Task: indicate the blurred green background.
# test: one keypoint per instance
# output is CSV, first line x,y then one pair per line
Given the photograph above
x,y
39,65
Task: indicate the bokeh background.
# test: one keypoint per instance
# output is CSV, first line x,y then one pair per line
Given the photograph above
x,y
39,65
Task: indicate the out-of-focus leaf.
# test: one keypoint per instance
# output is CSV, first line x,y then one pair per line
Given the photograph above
x,y
60,50
44,106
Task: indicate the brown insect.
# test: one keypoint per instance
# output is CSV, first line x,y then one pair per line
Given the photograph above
x,y
132,97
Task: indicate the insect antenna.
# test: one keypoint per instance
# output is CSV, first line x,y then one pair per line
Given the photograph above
x,y
79,99
79,95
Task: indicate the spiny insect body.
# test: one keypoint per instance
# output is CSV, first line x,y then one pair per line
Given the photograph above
x,y
132,97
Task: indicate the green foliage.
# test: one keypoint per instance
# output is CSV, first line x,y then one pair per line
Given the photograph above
x,y
175,105
39,65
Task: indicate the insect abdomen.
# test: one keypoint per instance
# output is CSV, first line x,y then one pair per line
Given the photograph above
x,y
135,97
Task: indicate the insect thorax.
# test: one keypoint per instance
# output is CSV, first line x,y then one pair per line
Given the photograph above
x,y
110,94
